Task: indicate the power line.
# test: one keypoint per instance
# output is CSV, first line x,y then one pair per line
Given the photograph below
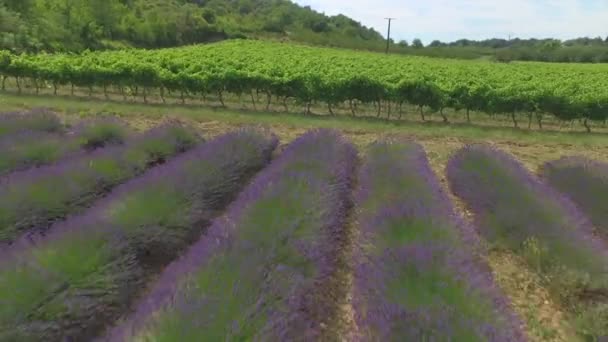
x,y
388,35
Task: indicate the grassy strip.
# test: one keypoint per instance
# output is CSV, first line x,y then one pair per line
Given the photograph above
x,y
34,120
87,270
514,210
28,149
33,199
585,182
277,120
416,277
259,273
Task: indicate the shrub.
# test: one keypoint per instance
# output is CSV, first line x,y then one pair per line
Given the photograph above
x,y
585,182
515,210
36,120
262,271
416,277
86,271
32,200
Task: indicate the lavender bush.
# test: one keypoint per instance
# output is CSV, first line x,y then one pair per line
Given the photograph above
x,y
33,149
261,272
34,120
101,132
31,200
416,277
83,275
514,210
585,182
28,149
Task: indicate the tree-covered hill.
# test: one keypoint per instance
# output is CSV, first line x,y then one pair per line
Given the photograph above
x,y
74,25
77,25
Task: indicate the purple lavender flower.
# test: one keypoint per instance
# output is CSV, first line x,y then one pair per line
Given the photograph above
x,y
416,277
33,199
100,132
585,182
39,119
261,271
27,149
515,210
84,273
34,148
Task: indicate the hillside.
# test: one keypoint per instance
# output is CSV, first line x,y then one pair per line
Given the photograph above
x,y
74,25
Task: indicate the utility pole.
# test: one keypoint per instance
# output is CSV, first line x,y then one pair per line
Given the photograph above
x,y
388,35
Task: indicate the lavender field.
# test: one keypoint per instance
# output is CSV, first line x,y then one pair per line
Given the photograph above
x,y
111,233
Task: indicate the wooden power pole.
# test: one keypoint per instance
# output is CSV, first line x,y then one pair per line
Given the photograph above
x,y
388,35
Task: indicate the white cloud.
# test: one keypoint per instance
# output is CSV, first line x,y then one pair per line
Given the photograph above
x,y
449,20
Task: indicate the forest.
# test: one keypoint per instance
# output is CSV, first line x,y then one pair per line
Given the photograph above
x,y
76,25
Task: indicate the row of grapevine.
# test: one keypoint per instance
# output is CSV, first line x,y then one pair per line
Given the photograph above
x,y
308,75
80,277
262,271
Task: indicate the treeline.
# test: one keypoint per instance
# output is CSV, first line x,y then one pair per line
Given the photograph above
x,y
76,25
332,77
580,50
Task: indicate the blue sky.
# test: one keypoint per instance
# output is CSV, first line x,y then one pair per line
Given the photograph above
x,y
448,20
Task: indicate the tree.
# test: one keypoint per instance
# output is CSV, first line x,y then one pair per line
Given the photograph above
x,y
403,43
436,43
417,43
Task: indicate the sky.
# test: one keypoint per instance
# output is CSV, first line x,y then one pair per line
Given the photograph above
x,y
449,20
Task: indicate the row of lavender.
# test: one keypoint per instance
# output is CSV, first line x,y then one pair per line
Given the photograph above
x,y
40,120
83,274
33,148
264,270
33,199
585,182
519,212
416,276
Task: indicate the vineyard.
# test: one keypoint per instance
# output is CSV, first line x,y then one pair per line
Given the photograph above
x,y
170,234
335,81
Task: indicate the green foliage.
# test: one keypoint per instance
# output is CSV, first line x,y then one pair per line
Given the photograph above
x,y
417,43
33,153
569,92
76,25
102,133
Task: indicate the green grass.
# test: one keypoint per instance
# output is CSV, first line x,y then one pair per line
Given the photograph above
x,y
86,107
